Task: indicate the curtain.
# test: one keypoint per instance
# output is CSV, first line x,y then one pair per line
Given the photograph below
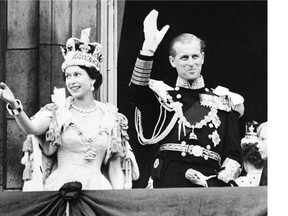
x,y
173,201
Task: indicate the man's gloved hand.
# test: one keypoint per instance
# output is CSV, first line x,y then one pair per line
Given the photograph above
x,y
153,36
225,176
197,177
230,170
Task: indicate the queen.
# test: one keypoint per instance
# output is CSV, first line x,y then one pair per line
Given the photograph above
x,y
75,138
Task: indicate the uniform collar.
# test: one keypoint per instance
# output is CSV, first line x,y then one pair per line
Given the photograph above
x,y
196,84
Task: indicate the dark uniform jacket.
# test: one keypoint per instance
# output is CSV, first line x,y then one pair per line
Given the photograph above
x,y
215,136
264,179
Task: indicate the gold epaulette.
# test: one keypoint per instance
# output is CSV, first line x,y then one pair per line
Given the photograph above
x,y
221,98
161,91
215,101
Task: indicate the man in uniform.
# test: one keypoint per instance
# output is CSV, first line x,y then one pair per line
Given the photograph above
x,y
196,132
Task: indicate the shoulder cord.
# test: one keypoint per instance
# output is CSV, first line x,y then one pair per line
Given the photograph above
x,y
164,118
155,138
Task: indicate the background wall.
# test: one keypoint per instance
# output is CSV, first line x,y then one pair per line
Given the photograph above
x,y
236,56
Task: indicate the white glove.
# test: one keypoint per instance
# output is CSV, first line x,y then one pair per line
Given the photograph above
x,y
225,176
197,177
231,170
153,36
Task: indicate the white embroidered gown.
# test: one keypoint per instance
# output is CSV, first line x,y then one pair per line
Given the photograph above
x,y
72,165
71,162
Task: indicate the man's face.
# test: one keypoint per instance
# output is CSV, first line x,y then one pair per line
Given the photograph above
x,y
188,60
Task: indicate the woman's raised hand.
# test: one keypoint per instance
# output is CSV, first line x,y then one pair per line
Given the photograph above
x,y
6,94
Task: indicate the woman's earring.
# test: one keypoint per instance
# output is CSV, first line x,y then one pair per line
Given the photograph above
x,y
92,87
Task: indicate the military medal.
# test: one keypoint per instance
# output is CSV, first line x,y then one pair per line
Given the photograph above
x,y
215,138
192,135
156,163
211,120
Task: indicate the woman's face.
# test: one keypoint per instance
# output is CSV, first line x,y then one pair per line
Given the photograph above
x,y
78,82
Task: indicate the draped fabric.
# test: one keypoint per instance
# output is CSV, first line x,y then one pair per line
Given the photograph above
x,y
173,201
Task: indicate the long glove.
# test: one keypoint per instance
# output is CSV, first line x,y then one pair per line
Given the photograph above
x,y
153,36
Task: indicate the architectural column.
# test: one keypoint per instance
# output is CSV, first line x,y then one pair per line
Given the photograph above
x,y
21,75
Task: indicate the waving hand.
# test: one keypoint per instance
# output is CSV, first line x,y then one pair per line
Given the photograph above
x,y
153,36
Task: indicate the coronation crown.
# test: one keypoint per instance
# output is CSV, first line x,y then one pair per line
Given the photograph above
x,y
82,52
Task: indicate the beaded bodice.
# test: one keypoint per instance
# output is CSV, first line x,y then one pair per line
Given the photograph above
x,y
76,146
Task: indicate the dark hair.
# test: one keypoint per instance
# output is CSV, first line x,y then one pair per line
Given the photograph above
x,y
185,38
251,154
93,73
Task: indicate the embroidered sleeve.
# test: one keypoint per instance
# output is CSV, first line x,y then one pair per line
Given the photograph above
x,y
53,133
60,119
142,70
45,111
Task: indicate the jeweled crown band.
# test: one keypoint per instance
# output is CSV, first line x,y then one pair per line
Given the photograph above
x,y
81,52
79,58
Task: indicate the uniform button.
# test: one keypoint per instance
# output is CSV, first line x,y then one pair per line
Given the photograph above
x,y
178,96
206,89
210,125
176,88
156,163
208,147
183,143
183,154
205,157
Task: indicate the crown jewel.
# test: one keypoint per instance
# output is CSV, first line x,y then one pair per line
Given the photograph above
x,y
250,133
82,52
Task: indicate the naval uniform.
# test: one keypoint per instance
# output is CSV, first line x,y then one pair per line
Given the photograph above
x,y
195,128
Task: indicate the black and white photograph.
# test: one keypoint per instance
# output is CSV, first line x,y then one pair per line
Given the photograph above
x,y
120,107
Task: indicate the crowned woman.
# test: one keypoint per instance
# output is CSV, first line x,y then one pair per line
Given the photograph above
x,y
75,138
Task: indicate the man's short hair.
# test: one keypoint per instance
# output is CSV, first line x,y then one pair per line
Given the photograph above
x,y
185,38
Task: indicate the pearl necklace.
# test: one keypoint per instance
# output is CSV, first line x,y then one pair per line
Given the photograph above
x,y
84,111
